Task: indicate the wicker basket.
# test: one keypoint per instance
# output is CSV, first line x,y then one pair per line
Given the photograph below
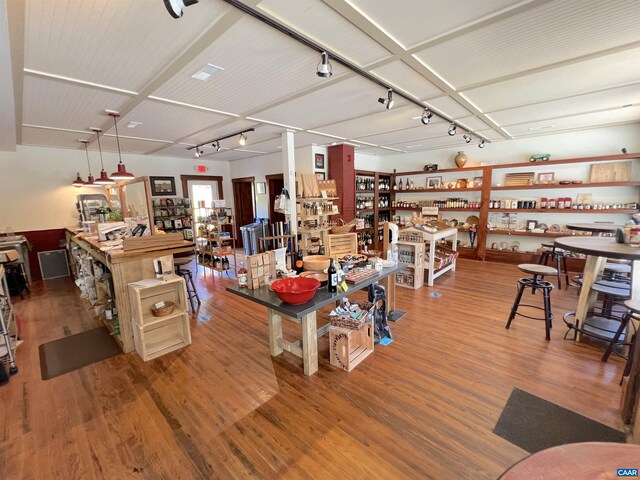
x,y
164,311
344,228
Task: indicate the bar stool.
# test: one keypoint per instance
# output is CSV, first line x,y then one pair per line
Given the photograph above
x,y
633,307
535,283
185,273
550,252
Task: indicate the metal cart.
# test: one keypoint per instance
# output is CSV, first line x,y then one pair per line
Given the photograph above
x,y
8,341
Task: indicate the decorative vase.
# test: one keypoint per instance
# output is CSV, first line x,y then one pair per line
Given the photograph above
x,y
461,159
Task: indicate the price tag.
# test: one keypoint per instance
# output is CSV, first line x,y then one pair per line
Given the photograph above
x,y
219,203
429,210
343,287
159,304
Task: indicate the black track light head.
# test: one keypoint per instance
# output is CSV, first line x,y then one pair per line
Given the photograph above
x,y
176,7
388,102
324,68
452,129
426,116
481,144
467,137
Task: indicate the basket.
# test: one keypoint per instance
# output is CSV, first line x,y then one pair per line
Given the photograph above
x,y
344,228
163,311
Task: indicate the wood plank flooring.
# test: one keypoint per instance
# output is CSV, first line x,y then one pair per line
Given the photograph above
x,y
422,407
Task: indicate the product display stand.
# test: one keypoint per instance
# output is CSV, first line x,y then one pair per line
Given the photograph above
x,y
7,325
411,256
314,215
434,265
213,243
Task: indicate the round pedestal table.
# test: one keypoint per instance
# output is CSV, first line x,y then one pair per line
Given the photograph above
x,y
591,460
595,228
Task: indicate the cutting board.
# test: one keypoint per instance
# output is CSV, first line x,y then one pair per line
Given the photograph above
x,y
610,172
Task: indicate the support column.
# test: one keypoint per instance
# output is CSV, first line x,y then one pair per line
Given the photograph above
x,y
289,169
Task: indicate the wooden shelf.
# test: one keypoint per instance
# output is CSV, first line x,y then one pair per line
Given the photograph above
x,y
433,190
419,209
497,231
474,168
571,185
605,158
315,199
365,191
610,211
368,210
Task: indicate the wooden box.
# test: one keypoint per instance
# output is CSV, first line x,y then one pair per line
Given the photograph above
x,y
342,244
610,172
347,348
165,335
258,267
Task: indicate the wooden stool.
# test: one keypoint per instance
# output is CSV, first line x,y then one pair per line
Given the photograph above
x,y
185,273
634,312
535,283
555,255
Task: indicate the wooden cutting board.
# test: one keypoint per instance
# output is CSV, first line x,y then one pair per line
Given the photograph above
x,y
610,172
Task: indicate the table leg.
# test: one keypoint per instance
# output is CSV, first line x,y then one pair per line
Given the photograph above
x,y
389,284
309,344
432,256
454,247
275,332
592,268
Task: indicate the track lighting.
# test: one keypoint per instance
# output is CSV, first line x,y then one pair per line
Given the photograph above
x,y
324,68
243,139
452,129
387,101
481,144
104,178
426,116
467,137
216,145
175,7
197,153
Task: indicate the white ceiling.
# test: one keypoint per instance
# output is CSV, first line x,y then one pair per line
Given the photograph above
x,y
502,68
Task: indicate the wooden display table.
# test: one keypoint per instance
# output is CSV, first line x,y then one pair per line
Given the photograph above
x,y
125,268
433,271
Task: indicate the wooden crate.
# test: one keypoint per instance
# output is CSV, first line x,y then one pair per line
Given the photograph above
x,y
165,335
610,172
347,348
259,266
342,244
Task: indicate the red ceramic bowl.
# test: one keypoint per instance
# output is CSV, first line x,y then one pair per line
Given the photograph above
x,y
296,290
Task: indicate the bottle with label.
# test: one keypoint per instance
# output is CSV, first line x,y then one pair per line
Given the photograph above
x,y
332,277
411,186
400,187
299,262
242,276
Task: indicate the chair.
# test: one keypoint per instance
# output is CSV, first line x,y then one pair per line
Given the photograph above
x,y
535,283
550,252
179,262
633,313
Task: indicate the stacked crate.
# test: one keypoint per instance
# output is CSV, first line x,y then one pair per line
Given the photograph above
x,y
260,269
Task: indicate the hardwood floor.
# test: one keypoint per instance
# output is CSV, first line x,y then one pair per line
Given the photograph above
x,y
423,407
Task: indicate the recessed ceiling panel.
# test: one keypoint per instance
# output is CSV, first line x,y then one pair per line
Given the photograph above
x,y
261,66
472,123
128,145
312,17
337,102
379,122
59,104
377,151
449,107
620,115
411,22
53,138
406,78
553,32
175,150
421,132
165,121
602,72
231,155
120,43
438,142
491,134
602,100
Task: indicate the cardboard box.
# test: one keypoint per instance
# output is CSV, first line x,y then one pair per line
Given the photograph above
x,y
10,255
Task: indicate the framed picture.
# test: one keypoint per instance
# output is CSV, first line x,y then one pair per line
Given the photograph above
x,y
532,224
319,161
162,186
434,182
261,188
545,177
320,175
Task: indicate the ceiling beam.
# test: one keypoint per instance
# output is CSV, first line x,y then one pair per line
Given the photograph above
x,y
16,20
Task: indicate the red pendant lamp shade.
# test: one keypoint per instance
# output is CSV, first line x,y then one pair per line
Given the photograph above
x,y
90,182
78,182
121,173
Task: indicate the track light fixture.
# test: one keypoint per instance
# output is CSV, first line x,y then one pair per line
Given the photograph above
x,y
426,116
481,144
176,7
104,178
215,142
324,68
452,129
467,137
387,101
197,153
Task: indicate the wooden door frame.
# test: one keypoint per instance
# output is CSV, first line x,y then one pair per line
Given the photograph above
x,y
204,178
274,176
236,217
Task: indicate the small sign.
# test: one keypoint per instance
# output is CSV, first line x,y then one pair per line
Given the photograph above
x,y
219,203
429,210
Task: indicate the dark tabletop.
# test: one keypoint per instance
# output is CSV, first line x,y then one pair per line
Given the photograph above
x,y
594,227
599,247
265,296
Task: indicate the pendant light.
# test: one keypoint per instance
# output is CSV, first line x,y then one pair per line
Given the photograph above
x,y
243,139
103,179
121,173
90,180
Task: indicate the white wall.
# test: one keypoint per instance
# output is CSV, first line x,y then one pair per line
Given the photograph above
x,y
35,182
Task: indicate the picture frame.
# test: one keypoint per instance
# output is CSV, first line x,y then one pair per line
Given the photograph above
x,y
532,225
545,177
162,186
319,161
261,188
320,175
434,182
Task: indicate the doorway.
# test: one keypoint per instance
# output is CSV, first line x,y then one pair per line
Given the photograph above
x,y
243,199
201,190
275,184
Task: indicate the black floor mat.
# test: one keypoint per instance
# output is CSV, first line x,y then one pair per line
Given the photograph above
x,y
76,351
534,424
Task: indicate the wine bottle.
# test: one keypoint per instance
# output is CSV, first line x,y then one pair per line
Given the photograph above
x,y
242,276
299,262
400,185
332,276
395,185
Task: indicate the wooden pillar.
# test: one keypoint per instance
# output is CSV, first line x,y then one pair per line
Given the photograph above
x,y
341,166
485,195
289,169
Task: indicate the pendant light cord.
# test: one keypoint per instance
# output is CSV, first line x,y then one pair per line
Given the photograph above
x,y
99,148
115,124
86,151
